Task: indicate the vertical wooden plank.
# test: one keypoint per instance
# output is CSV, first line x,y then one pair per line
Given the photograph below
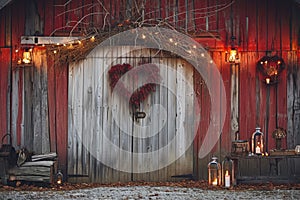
x,y
171,126
252,14
262,26
61,86
4,91
293,101
49,17
51,103
59,23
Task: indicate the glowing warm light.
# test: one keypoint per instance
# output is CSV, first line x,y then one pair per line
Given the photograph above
x,y
194,46
176,43
57,44
54,51
59,178
171,40
202,54
143,36
215,182
93,39
232,55
227,179
268,80
17,50
26,56
257,149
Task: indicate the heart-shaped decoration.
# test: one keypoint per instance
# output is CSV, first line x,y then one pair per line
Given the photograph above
x,y
271,65
152,73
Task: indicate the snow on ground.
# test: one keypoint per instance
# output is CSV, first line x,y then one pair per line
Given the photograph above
x,y
150,192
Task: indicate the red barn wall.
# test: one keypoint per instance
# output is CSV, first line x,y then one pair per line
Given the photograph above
x,y
260,26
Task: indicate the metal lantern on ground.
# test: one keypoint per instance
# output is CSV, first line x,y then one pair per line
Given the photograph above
x,y
214,172
257,144
228,175
59,177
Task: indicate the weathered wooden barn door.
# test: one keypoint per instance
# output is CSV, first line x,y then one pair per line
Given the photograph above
x,y
107,142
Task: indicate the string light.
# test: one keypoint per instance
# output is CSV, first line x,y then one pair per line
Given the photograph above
x,y
93,39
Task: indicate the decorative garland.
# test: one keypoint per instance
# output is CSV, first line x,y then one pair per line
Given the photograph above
x,y
138,96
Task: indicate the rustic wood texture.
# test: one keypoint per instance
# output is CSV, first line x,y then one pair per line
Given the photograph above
x,y
91,119
35,99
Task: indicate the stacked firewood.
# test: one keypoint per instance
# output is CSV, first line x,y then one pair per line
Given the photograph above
x,y
39,168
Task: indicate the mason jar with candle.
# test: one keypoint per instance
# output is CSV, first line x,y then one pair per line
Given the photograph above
x,y
228,174
257,142
214,172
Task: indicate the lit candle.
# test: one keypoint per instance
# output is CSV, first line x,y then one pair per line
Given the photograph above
x,y
227,179
215,182
268,80
257,149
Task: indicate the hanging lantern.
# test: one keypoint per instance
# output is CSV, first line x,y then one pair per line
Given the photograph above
x,y
232,56
257,143
214,172
24,56
59,177
228,175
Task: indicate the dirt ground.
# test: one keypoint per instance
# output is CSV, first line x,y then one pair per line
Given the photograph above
x,y
146,190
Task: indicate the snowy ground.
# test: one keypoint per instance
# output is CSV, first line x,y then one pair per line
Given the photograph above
x,y
150,192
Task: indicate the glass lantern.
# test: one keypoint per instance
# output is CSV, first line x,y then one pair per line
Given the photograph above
x,y
228,175
59,177
297,149
257,143
214,172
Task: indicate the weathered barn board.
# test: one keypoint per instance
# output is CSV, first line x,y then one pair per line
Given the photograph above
x,y
122,131
4,92
261,28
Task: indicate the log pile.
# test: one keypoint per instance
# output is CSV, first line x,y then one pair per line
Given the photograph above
x,y
40,168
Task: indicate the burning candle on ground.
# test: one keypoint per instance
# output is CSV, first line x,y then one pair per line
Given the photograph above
x,y
227,179
215,182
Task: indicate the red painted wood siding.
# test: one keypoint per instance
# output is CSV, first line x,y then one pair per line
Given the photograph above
x,y
259,26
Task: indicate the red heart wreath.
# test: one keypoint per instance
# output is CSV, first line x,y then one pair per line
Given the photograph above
x,y
117,71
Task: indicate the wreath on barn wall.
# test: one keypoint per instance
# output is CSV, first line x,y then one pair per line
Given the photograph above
x,y
139,95
271,67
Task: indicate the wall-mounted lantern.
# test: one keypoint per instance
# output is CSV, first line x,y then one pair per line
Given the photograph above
x,y
232,56
24,56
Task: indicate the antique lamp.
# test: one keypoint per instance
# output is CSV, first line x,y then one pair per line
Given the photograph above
x,y
59,177
232,56
228,177
26,56
257,142
214,172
